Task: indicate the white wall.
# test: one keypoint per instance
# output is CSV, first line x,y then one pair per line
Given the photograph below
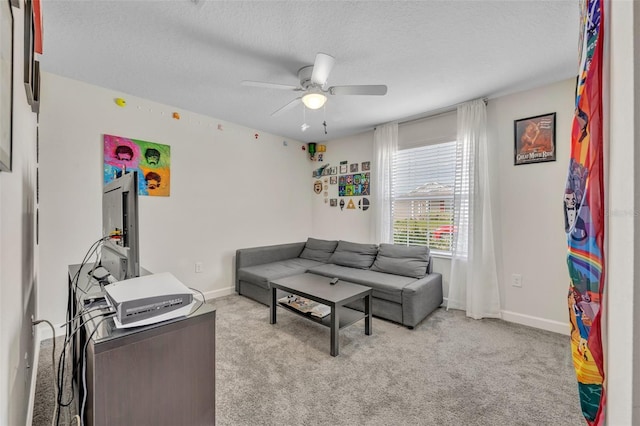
x,y
334,223
17,251
528,209
228,189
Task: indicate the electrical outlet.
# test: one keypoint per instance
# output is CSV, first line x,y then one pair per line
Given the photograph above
x,y
198,267
516,280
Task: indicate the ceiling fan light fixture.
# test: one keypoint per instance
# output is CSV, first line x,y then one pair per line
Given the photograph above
x,y
314,100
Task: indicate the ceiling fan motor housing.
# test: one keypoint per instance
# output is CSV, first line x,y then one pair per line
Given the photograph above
x,y
304,75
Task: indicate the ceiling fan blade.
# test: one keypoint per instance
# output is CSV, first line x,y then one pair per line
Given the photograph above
x,y
321,68
376,90
287,107
269,85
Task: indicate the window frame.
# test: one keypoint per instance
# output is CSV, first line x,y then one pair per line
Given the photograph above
x,y
429,212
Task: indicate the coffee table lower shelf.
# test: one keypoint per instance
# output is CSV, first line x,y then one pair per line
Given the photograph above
x,y
319,289
346,316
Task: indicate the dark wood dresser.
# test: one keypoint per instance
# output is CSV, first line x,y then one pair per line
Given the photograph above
x,y
159,374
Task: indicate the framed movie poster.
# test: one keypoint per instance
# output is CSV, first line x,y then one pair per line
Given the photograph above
x,y
535,139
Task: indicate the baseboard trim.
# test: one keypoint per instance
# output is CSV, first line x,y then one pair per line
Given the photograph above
x,y
34,375
44,331
537,322
531,321
214,294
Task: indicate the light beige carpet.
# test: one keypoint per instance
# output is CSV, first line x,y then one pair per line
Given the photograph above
x,y
449,370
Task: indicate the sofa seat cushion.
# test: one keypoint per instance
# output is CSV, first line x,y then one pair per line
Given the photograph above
x,y
385,286
262,274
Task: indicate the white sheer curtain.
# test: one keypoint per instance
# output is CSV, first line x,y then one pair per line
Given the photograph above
x,y
473,283
385,145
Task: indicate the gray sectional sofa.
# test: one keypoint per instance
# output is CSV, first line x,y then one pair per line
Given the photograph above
x,y
405,289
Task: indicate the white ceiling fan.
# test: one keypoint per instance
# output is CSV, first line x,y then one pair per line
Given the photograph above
x,y
313,79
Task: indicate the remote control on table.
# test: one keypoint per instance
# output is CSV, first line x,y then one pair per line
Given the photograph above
x,y
333,281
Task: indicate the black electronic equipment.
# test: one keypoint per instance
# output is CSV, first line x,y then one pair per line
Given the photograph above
x,y
120,253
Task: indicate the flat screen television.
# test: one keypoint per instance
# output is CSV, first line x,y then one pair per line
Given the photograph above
x,y
120,254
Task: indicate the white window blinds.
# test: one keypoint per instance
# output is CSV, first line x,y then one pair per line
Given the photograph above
x,y
422,196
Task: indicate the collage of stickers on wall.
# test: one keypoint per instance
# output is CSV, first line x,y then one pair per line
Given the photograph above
x,y
346,185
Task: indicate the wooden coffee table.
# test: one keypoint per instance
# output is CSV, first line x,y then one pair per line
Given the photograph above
x,y
318,289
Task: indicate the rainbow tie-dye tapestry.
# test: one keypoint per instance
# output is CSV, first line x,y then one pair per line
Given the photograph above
x,y
584,217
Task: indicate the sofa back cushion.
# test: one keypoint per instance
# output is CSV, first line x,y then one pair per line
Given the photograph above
x,y
408,261
355,255
319,250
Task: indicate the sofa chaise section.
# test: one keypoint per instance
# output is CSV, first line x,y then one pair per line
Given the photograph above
x,y
256,266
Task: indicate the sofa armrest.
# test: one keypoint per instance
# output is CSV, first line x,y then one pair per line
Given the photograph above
x,y
420,298
265,254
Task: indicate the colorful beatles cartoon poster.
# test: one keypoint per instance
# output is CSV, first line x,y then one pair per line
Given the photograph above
x,y
151,160
584,219
353,185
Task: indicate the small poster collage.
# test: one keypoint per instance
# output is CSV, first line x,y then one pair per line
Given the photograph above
x,y
353,180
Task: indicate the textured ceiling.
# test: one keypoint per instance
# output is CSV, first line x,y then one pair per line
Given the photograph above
x,y
193,54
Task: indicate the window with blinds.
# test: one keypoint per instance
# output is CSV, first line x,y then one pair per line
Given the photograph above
x,y
422,196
